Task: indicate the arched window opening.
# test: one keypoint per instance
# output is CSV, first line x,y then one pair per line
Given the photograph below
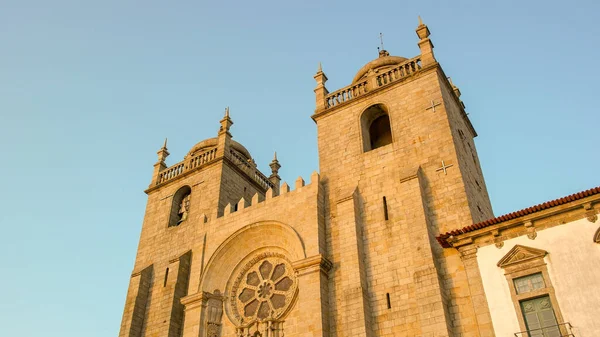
x,y
376,128
180,207
380,132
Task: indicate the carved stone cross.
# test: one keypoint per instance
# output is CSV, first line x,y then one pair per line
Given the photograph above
x,y
444,167
433,105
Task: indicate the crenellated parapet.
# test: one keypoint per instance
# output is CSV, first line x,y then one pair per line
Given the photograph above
x,y
271,195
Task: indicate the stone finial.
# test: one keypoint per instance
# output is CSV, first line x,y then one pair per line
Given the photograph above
x,y
274,178
422,30
425,44
226,123
163,153
320,90
275,166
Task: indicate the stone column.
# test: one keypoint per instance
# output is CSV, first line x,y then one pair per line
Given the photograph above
x,y
468,255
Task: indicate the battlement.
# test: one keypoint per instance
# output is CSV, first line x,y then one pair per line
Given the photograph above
x,y
259,200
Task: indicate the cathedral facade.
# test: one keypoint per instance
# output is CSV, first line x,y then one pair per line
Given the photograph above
x,y
373,244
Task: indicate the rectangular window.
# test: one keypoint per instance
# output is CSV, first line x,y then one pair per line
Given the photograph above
x,y
539,317
529,283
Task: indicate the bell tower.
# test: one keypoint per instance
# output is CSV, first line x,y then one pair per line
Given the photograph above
x,y
399,166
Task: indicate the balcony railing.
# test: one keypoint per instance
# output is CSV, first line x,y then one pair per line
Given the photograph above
x,y
558,330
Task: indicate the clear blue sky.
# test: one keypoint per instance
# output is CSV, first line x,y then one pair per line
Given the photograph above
x,y
89,90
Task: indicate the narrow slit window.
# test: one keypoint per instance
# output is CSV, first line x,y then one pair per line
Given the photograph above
x,y
385,209
166,277
389,302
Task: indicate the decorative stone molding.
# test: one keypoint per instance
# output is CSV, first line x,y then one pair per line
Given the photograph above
x,y
499,244
467,252
531,233
200,298
525,222
520,254
312,264
523,261
597,236
590,212
263,290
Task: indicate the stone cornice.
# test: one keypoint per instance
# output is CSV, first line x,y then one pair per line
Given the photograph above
x,y
195,300
528,224
313,264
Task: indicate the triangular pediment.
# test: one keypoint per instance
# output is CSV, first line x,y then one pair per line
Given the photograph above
x,y
520,254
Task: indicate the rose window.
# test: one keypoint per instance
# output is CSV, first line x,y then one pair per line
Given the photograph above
x,y
264,290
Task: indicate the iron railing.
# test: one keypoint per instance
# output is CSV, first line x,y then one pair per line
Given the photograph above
x,y
558,330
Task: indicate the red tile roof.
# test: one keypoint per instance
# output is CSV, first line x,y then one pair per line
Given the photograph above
x,y
442,238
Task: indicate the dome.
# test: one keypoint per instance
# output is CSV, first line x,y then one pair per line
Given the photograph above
x,y
383,62
209,143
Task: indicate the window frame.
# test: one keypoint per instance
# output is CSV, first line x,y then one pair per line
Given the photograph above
x,y
526,267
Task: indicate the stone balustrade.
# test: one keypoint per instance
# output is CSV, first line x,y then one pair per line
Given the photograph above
x,y
373,82
250,170
202,158
346,94
402,70
170,172
186,165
